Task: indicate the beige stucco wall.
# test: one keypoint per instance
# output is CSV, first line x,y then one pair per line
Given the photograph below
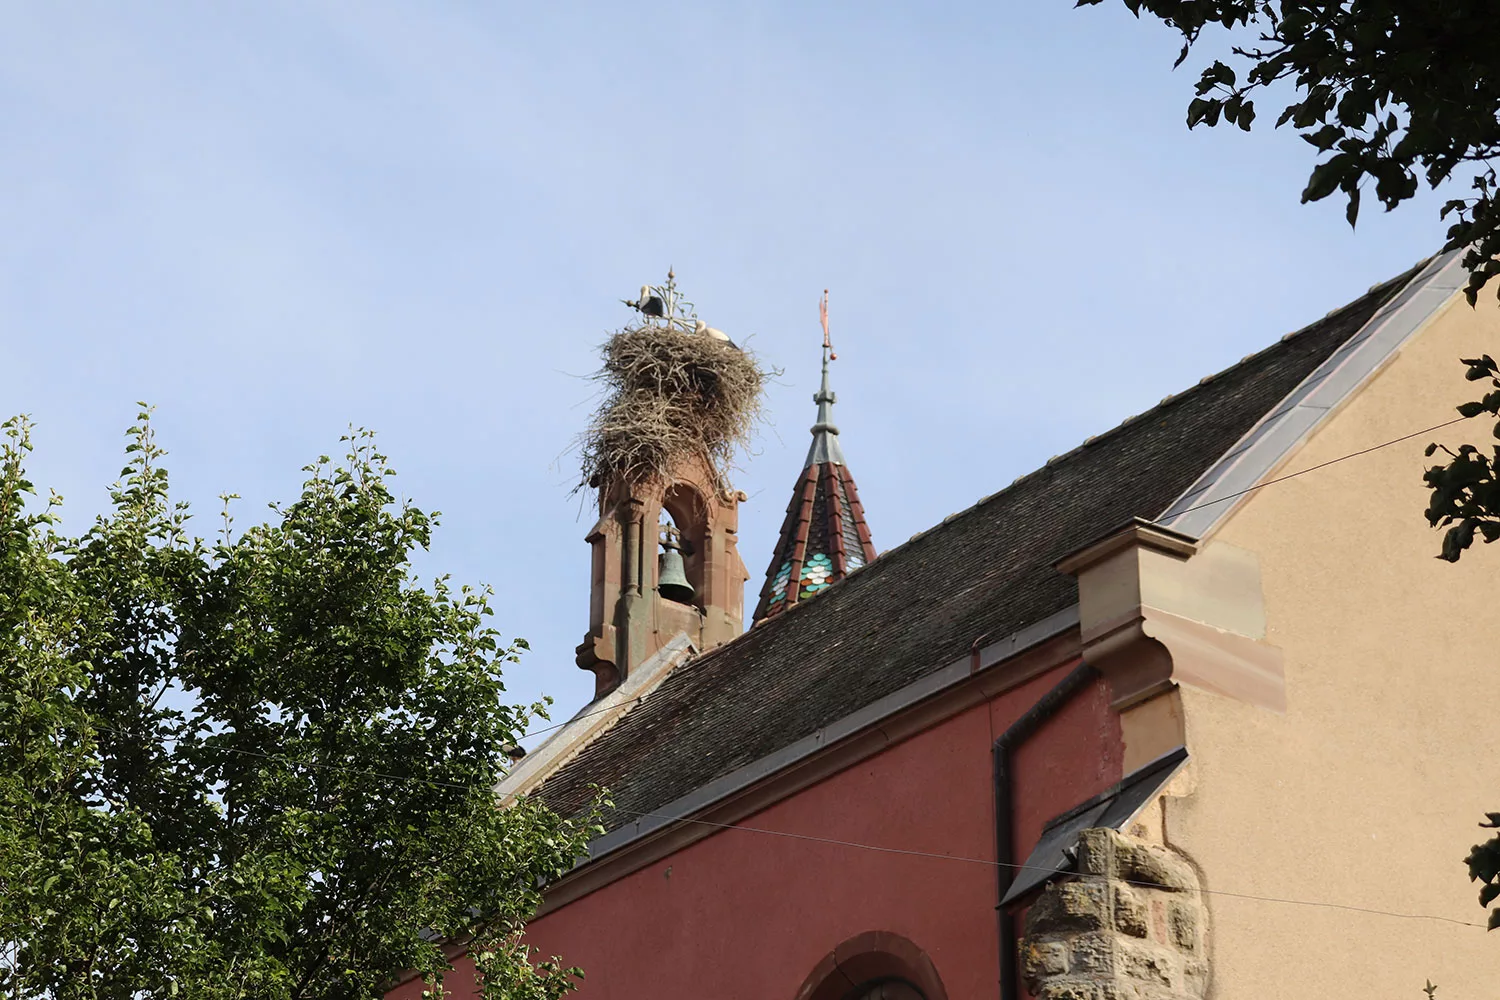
x,y
1368,789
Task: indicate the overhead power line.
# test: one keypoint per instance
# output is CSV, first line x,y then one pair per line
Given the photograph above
x,y
856,845
1022,867
1320,465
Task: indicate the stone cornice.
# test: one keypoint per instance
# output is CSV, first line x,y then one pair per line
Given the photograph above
x,y
1156,611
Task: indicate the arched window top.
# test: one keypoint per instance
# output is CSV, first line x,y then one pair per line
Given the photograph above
x,y
686,507
880,965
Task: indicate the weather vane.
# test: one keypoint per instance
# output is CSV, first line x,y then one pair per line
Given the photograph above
x,y
823,316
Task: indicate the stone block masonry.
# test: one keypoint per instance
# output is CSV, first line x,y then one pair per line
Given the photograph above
x,y
1132,926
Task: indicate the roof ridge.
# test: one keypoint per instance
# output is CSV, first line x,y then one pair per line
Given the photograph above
x,y
1175,397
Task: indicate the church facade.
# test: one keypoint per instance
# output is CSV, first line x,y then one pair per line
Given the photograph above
x,y
1180,714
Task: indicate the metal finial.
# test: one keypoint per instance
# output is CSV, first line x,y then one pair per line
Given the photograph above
x,y
680,311
823,317
825,446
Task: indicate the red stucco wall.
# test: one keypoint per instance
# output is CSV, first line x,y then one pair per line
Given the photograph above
x,y
749,915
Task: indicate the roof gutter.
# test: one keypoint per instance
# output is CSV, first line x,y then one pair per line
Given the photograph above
x,y
1005,835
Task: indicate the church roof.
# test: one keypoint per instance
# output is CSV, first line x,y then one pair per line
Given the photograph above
x,y
824,537
987,571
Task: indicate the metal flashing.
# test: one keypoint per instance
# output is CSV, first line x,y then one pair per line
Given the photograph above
x,y
1136,532
1220,490
1114,809
825,443
593,720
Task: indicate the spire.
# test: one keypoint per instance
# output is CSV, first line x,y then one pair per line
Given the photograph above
x,y
825,442
824,537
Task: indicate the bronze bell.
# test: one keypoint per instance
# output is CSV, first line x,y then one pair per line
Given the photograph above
x,y
671,576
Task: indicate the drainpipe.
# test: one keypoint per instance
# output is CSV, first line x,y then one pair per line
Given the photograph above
x,y
1019,732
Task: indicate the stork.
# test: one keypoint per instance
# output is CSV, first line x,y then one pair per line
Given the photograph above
x,y
649,304
702,329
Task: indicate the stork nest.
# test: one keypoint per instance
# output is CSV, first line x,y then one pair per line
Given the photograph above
x,y
669,396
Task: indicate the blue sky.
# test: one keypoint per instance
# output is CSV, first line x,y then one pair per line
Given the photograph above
x,y
275,220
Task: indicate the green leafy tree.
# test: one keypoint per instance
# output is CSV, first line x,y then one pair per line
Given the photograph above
x,y
85,904
1466,493
1466,498
1484,867
260,767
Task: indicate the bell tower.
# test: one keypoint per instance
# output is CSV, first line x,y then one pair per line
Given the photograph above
x,y
665,548
665,560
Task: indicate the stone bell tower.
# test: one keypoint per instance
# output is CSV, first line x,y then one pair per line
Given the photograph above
x,y
631,613
665,548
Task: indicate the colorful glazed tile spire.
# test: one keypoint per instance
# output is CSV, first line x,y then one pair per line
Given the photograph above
x,y
824,537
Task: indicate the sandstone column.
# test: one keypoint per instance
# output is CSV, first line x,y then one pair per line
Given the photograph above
x,y
1132,926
